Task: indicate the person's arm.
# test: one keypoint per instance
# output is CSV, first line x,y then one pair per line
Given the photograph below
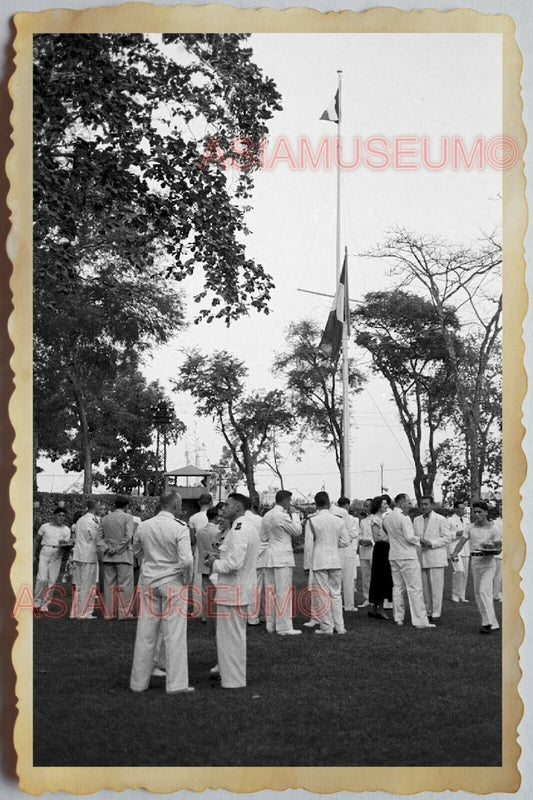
x,y
378,534
37,541
460,544
286,522
409,531
344,533
185,558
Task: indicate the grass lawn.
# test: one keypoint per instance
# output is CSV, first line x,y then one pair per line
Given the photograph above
x,y
382,695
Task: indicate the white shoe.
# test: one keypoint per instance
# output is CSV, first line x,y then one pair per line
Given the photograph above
x,y
254,622
455,599
293,632
157,672
183,691
341,632
464,600
364,605
423,627
311,624
398,623
325,633
349,609
215,670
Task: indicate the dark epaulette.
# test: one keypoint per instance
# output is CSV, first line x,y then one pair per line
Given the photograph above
x,y
238,526
180,522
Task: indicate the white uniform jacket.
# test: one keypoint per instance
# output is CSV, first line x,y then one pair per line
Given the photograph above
x,y
456,525
402,538
329,533
85,532
165,547
236,567
438,535
278,528
352,524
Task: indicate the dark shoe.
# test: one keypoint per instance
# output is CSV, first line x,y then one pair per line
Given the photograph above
x,y
485,629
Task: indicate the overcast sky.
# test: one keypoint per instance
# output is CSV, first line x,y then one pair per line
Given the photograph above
x,y
431,85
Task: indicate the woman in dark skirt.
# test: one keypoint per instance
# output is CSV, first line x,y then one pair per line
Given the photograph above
x,y
380,575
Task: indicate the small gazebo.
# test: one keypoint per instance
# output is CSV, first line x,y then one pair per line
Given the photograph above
x,y
191,482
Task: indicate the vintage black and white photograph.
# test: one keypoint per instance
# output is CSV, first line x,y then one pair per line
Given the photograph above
x,y
267,399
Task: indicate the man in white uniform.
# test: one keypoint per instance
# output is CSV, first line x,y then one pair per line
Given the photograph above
x,y
85,561
404,564
165,547
457,524
206,539
366,550
348,554
433,531
329,534
234,574
278,528
52,535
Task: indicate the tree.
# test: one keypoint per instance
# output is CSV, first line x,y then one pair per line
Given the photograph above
x,y
88,345
402,333
468,280
121,122
315,387
248,423
227,472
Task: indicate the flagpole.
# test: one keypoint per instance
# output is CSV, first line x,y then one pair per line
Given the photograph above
x,y
345,395
345,390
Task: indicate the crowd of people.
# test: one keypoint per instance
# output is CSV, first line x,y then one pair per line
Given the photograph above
x,y
232,565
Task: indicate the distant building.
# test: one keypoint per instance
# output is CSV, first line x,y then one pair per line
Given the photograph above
x,y
191,482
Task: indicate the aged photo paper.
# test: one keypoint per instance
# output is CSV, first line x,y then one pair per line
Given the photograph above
x,y
115,772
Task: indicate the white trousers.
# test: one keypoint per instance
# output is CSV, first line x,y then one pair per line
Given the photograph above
x,y
163,608
118,589
231,645
257,608
433,588
460,579
366,570
278,598
483,571
47,574
406,577
85,577
348,581
498,588
328,582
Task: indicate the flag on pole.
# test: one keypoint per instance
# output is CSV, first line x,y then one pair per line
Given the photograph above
x,y
331,114
331,341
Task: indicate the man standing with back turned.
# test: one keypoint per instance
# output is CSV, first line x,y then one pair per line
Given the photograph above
x,y
165,547
278,529
115,536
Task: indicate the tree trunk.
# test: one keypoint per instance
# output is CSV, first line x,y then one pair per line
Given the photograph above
x,y
86,453
248,468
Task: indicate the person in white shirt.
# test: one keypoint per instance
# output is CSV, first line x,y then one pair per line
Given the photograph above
x,y
457,523
434,534
165,546
348,554
329,534
234,574
366,549
405,566
278,529
485,540
498,584
85,562
52,536
199,520
206,539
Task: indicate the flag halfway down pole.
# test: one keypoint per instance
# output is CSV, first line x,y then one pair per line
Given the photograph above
x,y
332,113
331,341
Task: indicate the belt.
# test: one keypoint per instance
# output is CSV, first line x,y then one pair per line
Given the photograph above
x,y
479,553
